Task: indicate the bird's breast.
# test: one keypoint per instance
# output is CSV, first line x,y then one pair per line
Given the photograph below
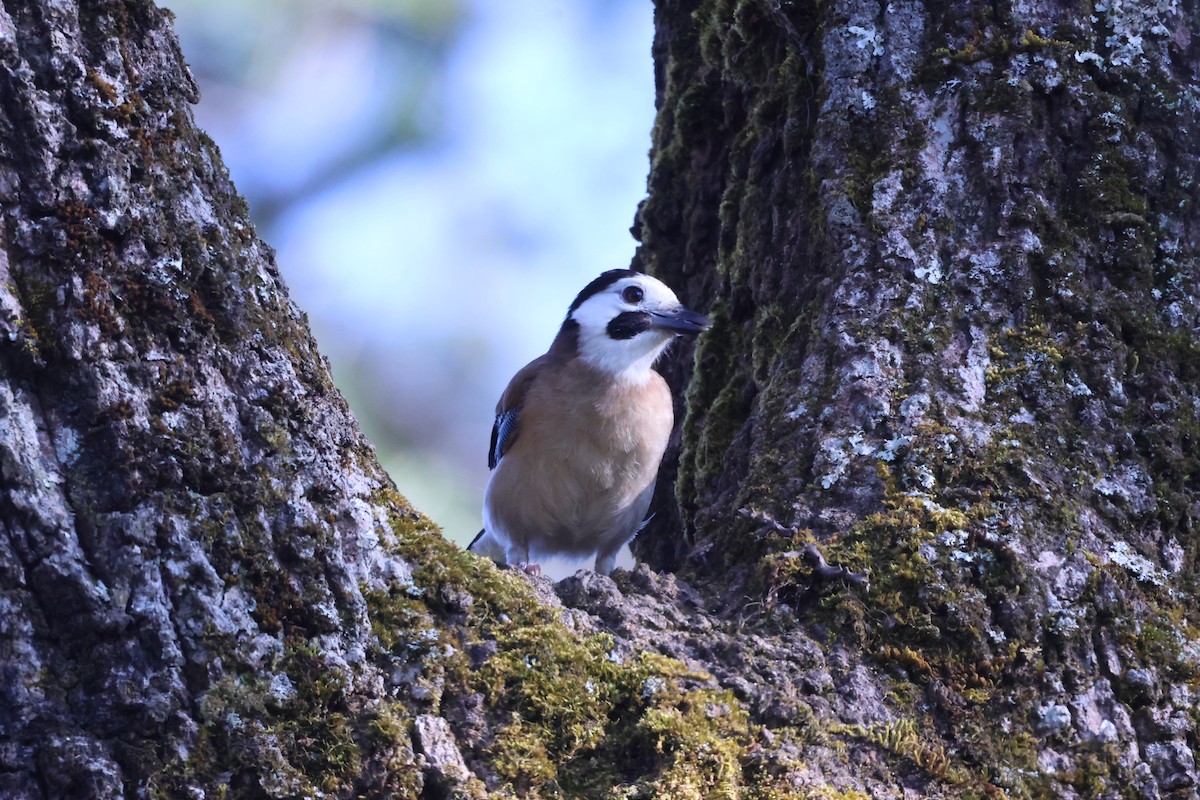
x,y
584,460
616,436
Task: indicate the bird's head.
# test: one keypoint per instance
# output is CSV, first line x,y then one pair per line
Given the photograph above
x,y
624,320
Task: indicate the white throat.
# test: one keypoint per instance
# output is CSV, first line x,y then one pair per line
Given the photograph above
x,y
626,360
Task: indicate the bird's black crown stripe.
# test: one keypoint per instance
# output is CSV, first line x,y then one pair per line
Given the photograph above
x,y
601,283
628,324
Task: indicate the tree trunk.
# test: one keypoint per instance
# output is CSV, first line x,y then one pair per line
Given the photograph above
x,y
951,251
191,516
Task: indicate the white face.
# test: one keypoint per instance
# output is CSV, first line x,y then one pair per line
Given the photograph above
x,y
627,351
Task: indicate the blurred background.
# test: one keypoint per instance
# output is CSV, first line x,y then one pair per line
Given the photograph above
x,y
440,178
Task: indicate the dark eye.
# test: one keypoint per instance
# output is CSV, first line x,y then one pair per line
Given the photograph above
x,y
632,295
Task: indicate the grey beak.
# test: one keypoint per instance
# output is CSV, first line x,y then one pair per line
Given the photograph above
x,y
680,320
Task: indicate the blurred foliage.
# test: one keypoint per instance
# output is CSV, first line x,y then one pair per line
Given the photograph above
x,y
383,58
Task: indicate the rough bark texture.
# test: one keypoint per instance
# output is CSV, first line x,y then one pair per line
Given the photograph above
x,y
208,587
952,253
189,510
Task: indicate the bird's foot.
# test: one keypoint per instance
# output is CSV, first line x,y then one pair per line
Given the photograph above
x,y
530,569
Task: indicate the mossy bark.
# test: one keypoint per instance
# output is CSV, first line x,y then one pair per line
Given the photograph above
x,y
189,510
951,252
951,249
208,586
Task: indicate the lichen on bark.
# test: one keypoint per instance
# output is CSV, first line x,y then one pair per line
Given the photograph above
x,y
950,249
936,305
188,502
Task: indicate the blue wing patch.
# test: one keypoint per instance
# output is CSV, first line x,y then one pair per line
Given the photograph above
x,y
504,433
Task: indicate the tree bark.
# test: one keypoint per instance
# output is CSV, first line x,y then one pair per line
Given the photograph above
x,y
191,515
951,252
951,249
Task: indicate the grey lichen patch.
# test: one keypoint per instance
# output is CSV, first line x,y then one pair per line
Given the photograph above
x,y
443,761
296,730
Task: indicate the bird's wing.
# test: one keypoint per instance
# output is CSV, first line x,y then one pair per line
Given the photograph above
x,y
504,433
508,410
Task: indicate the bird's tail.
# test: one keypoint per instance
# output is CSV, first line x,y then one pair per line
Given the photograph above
x,y
486,545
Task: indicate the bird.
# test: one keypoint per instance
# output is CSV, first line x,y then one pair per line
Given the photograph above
x,y
580,431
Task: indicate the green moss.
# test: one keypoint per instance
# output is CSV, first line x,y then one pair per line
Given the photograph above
x,y
103,87
570,711
737,37
1032,41
991,45
306,719
700,742
902,738
826,793
935,578
1020,350
1149,623
716,406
